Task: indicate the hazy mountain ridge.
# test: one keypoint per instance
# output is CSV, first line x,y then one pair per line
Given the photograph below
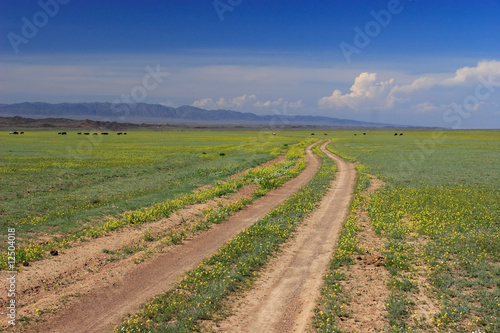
x,y
159,114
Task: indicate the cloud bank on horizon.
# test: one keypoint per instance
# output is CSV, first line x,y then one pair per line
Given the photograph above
x,y
240,102
395,61
367,93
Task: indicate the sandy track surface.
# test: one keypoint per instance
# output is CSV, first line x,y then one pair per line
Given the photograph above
x,y
103,308
285,295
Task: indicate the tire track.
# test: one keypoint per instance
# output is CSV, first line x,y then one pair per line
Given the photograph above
x,y
285,295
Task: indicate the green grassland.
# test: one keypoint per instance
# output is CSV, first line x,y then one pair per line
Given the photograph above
x,y
439,213
54,184
440,217
421,158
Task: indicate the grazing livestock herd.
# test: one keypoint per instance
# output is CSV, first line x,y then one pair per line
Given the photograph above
x,y
79,133
125,133
395,134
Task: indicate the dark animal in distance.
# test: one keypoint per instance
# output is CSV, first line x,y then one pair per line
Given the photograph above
x,y
119,133
62,133
79,133
95,133
13,132
104,133
86,133
400,133
325,133
364,133
395,134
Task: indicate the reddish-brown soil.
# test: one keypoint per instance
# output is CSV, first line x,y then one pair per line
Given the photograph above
x,y
367,284
99,292
284,296
366,279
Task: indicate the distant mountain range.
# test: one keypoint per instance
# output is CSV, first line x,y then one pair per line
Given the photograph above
x,y
183,115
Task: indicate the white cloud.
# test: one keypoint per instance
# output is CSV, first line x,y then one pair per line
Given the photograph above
x,y
490,69
263,104
421,83
485,71
168,103
365,92
295,105
279,102
222,103
244,101
240,101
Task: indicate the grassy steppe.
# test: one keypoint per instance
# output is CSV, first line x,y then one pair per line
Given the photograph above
x,y
440,218
439,213
55,184
426,158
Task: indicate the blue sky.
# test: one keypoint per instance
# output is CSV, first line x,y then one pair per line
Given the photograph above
x,y
431,63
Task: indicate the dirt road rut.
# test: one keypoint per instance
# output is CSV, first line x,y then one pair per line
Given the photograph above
x,y
284,297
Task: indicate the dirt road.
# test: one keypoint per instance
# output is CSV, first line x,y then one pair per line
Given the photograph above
x,y
284,297
103,308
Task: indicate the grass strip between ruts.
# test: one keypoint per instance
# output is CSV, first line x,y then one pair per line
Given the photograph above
x,y
201,294
331,304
